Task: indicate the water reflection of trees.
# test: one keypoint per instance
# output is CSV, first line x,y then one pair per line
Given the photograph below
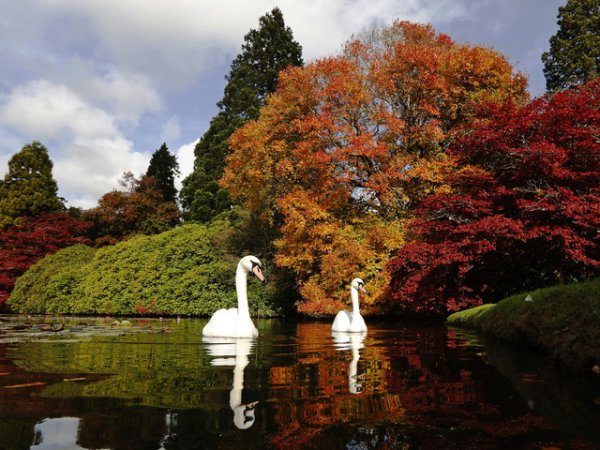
x,y
420,387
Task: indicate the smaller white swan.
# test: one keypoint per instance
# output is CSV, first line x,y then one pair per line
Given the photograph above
x,y
236,322
351,322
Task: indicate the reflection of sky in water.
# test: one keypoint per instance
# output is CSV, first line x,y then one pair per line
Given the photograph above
x,y
56,434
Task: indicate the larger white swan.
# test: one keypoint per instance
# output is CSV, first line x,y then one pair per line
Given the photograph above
x,y
236,322
351,322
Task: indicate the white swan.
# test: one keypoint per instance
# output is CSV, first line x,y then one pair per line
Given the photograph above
x,y
236,322
354,342
243,413
351,322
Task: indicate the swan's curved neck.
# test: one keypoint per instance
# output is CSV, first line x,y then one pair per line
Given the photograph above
x,y
241,284
354,296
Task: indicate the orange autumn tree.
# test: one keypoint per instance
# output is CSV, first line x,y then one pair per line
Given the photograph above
x,y
348,146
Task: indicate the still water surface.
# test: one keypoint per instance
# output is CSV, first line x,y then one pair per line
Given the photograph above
x,y
155,384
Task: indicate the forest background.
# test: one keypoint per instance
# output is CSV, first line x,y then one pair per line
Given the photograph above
x,y
417,163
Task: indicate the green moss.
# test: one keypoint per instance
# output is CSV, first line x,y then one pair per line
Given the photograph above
x,y
563,320
466,316
179,272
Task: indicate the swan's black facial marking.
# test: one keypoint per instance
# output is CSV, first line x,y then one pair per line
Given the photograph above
x,y
256,269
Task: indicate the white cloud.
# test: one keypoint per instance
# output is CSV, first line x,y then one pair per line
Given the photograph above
x,y
92,152
90,168
48,111
175,41
128,95
171,130
185,158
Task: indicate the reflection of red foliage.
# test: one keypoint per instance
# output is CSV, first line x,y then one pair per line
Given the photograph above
x,y
24,244
415,396
524,212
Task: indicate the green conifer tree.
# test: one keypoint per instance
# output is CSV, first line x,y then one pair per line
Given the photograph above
x,y
164,168
574,55
28,188
253,76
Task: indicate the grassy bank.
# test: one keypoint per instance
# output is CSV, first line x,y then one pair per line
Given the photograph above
x,y
561,320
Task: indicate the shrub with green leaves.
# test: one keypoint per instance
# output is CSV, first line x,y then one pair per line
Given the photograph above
x,y
179,272
47,286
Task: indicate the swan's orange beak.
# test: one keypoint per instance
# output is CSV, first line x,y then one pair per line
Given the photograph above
x,y
256,270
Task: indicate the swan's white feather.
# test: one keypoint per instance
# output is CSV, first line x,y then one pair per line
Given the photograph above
x,y
342,321
222,323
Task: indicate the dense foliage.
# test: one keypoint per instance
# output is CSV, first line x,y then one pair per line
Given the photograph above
x,y
28,188
139,208
253,76
348,147
574,55
48,285
184,271
163,168
524,211
30,240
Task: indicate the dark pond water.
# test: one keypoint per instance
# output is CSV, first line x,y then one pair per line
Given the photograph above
x,y
155,384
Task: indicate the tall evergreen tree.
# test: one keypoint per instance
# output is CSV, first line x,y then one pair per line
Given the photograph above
x,y
164,168
574,55
253,76
28,188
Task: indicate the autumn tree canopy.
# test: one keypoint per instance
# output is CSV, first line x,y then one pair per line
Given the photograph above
x,y
28,188
24,244
349,145
523,212
138,208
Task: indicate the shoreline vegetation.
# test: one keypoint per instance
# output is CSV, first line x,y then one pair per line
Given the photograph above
x,y
186,271
561,320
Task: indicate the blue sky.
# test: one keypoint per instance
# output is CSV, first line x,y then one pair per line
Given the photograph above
x,y
103,83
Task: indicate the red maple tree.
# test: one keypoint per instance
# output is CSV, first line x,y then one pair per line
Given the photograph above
x,y
22,245
524,212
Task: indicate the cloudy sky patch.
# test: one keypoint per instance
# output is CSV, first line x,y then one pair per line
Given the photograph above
x,y
102,84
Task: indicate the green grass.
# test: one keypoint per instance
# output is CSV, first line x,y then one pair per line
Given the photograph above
x,y
563,320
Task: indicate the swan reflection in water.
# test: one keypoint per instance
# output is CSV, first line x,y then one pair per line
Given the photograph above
x,y
234,352
351,341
